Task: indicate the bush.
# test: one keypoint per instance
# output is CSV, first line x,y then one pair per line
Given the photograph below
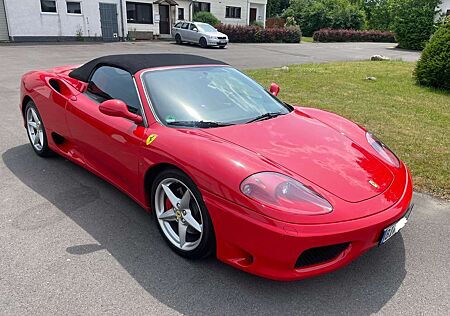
x,y
275,22
313,15
255,34
206,17
414,22
329,35
433,68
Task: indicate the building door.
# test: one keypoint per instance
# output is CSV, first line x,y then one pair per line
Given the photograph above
x,y
4,36
164,20
108,21
252,15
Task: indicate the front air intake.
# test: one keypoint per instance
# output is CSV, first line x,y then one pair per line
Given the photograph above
x,y
320,255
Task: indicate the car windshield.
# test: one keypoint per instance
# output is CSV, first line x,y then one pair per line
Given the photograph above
x,y
212,96
206,28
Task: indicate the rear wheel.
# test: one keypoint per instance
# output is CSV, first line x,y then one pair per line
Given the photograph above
x,y
181,215
178,39
36,130
203,42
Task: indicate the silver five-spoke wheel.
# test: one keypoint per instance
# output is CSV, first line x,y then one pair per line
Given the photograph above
x,y
35,129
178,214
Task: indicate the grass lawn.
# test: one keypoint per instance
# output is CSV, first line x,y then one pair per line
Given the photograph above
x,y
307,39
413,121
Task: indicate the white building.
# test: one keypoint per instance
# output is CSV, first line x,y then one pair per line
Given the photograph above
x,y
59,20
445,7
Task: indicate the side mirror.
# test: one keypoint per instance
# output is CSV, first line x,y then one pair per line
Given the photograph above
x,y
118,108
274,89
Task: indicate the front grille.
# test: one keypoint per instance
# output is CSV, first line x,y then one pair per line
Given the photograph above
x,y
320,255
221,37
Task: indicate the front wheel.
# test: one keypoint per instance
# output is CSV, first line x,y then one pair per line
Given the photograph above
x,y
36,130
181,215
178,39
203,43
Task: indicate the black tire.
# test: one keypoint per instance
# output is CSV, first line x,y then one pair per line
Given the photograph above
x,y
45,151
178,39
207,245
203,43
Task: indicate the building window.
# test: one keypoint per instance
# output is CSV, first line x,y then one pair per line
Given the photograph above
x,y
180,14
73,7
233,12
48,6
202,6
141,13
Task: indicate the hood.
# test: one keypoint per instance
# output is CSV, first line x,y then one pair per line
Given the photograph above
x,y
214,34
314,151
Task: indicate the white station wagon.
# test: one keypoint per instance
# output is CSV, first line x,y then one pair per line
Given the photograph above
x,y
199,33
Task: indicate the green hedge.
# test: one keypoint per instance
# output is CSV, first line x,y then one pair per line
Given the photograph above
x,y
433,68
256,34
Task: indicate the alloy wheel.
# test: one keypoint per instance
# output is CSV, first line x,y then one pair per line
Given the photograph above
x,y
178,214
35,129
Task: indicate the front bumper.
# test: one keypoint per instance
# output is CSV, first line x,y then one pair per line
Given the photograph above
x,y
217,42
271,248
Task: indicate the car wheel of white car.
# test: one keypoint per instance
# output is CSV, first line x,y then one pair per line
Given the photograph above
x,y
178,39
203,42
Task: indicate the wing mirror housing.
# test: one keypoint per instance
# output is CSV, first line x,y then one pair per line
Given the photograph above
x,y
274,89
118,108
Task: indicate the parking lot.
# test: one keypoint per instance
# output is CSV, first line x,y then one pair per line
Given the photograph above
x,y
73,244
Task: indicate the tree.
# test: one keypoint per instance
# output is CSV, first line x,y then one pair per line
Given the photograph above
x,y
414,22
276,7
206,17
313,15
380,14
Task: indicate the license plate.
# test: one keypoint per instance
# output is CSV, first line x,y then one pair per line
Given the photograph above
x,y
222,42
393,229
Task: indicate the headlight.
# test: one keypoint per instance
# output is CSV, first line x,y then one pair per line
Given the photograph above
x,y
213,37
284,193
383,150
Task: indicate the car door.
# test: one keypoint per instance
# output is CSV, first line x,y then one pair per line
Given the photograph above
x,y
184,31
194,33
109,145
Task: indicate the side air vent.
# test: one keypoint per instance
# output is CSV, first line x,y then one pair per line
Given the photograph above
x,y
55,85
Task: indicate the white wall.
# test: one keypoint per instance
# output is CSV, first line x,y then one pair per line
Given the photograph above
x,y
260,12
445,6
218,8
26,19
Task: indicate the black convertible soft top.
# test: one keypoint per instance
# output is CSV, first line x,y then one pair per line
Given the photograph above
x,y
136,62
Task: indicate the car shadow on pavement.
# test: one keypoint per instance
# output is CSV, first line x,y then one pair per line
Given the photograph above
x,y
129,234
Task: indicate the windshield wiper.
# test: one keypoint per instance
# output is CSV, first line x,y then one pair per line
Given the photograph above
x,y
200,124
265,116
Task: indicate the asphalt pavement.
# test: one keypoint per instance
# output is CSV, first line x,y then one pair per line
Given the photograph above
x,y
70,243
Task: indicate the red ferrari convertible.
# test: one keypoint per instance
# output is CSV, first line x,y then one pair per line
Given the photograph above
x,y
227,168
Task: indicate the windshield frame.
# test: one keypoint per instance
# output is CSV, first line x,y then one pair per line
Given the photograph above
x,y
142,73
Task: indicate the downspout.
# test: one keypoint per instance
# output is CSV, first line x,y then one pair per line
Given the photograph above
x,y
8,27
121,21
